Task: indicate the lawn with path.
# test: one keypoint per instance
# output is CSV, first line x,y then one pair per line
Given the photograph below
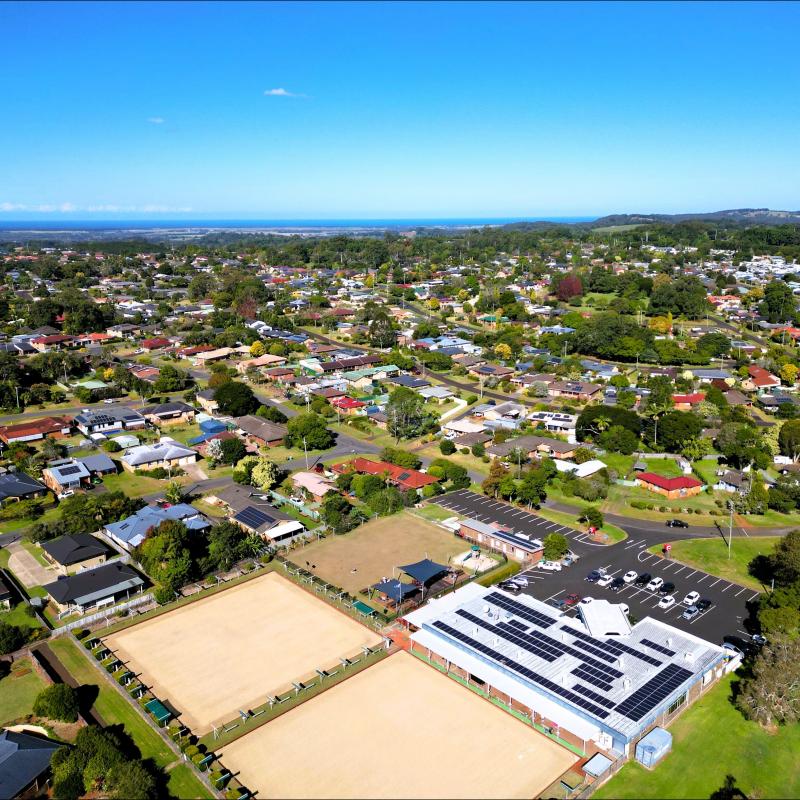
x,y
711,740
711,555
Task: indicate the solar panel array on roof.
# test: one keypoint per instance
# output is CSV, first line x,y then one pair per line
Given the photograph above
x,y
253,517
536,617
615,648
658,688
658,647
509,663
71,470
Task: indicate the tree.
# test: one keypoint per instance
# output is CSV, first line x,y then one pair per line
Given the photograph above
x,y
169,379
214,450
406,415
556,546
685,295
568,287
788,374
593,516
272,414
309,431
11,638
402,458
785,559
502,351
174,492
381,332
235,399
244,470
771,695
227,544
497,472
675,428
265,474
446,447
778,304
618,440
789,439
232,451
257,349
132,780
59,702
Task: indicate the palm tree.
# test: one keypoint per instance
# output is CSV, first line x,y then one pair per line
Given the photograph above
x,y
174,492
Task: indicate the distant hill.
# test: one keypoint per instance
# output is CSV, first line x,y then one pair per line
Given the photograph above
x,y
733,216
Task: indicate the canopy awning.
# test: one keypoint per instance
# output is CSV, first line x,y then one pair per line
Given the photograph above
x,y
395,590
424,571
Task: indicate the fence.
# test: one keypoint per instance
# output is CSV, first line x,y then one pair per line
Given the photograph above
x,y
104,614
302,508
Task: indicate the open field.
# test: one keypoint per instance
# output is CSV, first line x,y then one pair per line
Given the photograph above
x,y
398,729
233,649
375,548
711,740
18,690
711,555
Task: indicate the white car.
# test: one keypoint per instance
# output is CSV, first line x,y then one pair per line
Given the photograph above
x,y
550,566
585,601
630,576
109,400
666,602
625,609
605,580
66,493
520,580
655,585
691,598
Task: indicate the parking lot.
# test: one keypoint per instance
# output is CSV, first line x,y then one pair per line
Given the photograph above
x,y
725,617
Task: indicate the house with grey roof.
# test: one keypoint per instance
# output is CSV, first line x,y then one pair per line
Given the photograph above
x,y
20,486
25,763
95,588
108,419
166,453
131,532
74,552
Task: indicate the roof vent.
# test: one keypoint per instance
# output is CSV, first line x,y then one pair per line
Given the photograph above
x,y
626,683
669,641
689,656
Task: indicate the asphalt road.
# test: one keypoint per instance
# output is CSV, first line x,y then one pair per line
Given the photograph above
x,y
727,616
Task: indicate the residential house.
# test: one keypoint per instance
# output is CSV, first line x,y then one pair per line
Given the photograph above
x,y
49,427
25,763
66,475
688,402
575,390
144,372
20,486
167,454
266,360
56,342
75,552
401,477
532,447
260,432
671,488
206,401
174,413
520,546
348,405
132,531
98,465
708,375
156,343
109,419
491,371
733,481
314,484
95,588
269,523
759,380
436,394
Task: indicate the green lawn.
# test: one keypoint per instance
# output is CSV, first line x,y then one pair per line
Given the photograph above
x,y
110,704
711,555
17,692
470,462
183,784
135,485
712,740
17,616
613,533
434,513
667,467
36,552
620,463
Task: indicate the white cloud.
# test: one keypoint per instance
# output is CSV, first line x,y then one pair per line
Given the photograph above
x,y
66,208
282,93
156,120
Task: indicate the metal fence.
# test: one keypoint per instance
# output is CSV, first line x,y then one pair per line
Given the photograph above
x,y
104,614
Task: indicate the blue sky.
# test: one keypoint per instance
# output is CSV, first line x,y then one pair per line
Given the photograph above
x,y
396,110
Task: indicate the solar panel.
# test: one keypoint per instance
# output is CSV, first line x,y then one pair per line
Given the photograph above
x,y
598,698
615,648
655,691
593,677
510,635
609,672
536,617
253,517
509,663
658,647
519,625
71,470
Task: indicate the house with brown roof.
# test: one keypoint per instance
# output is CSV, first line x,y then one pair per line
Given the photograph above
x,y
58,341
759,380
260,432
48,427
401,477
575,390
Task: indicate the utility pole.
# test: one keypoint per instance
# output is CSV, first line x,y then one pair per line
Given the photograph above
x,y
730,526
305,448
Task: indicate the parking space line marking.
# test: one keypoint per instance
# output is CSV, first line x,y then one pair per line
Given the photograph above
x,y
727,587
754,597
739,592
715,582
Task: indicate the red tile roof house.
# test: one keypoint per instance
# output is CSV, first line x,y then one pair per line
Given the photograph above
x,y
157,343
59,341
400,477
348,405
687,402
671,488
760,379
55,427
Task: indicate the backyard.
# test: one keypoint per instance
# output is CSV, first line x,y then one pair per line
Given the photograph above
x,y
712,740
370,552
711,555
18,690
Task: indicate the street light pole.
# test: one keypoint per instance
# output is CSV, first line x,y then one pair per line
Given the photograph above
x,y
730,526
305,448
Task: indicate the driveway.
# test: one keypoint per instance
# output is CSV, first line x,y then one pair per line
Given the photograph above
x,y
27,569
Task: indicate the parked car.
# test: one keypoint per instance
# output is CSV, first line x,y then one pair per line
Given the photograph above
x,y
567,561
742,645
585,601
758,640
509,587
677,523
572,599
550,566
573,556
605,580
643,579
625,609
691,598
520,580
691,612
655,584
667,588
630,576
65,494
558,603
594,576
109,400
616,584
666,602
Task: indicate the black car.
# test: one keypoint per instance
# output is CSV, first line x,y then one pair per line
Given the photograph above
x,y
704,604
616,584
509,587
745,646
643,579
594,576
667,588
677,523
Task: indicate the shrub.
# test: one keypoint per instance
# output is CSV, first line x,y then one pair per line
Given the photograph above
x,y
58,701
446,447
500,574
465,451
472,398
11,638
638,504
